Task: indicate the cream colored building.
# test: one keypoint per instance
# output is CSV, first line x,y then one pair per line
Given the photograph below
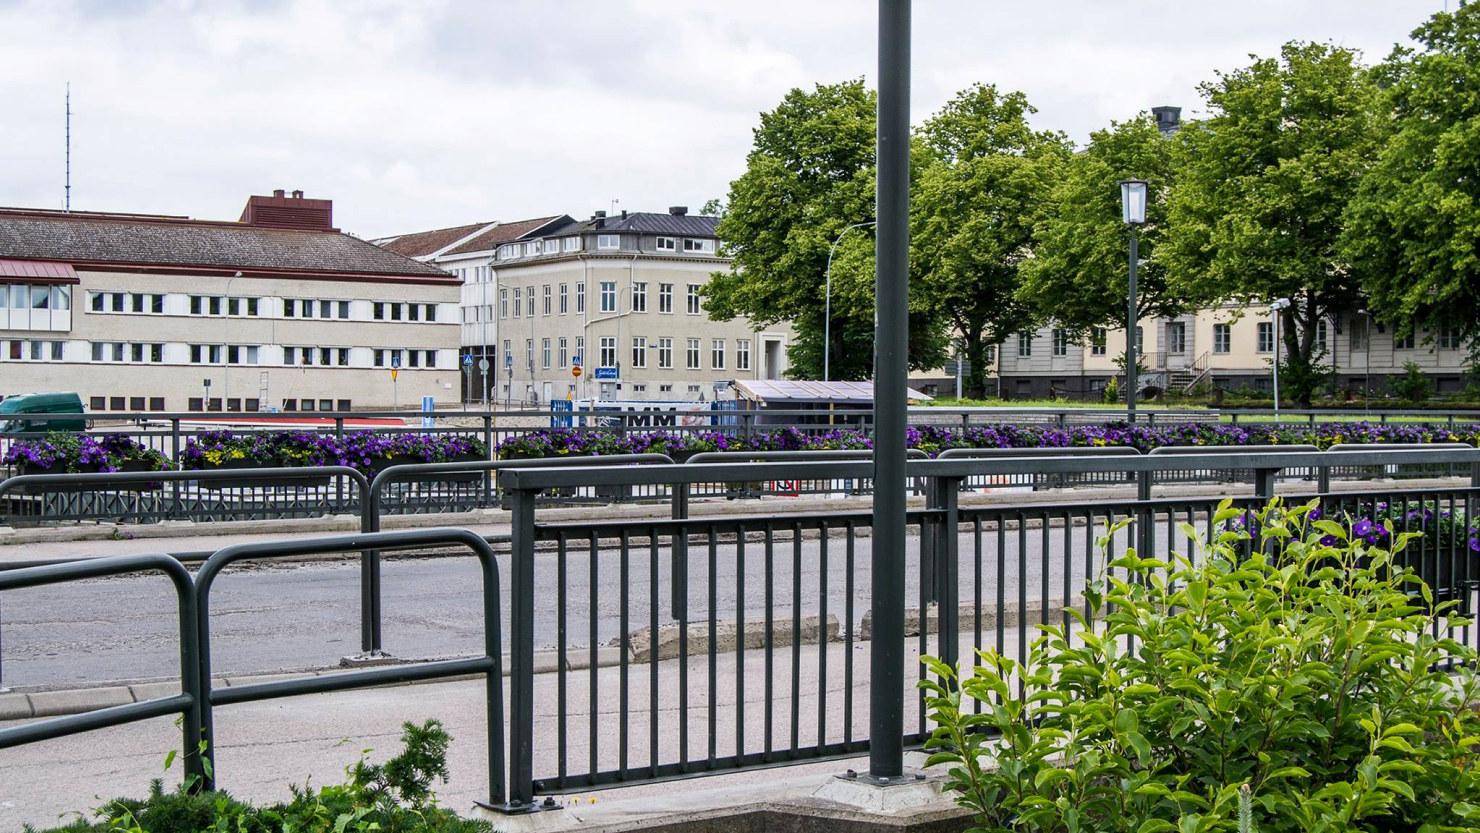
x,y
278,311
619,296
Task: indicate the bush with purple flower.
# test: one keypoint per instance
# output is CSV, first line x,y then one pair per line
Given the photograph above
x,y
59,453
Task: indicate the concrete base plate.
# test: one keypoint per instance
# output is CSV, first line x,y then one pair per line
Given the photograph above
x,y
878,796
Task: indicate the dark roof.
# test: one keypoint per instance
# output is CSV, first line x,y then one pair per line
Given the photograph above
x,y
686,225
424,243
504,233
101,239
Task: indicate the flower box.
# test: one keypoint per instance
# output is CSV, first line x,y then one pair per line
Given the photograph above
x,y
296,481
416,459
125,466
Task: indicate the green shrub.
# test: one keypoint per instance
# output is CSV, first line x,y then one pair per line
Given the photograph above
x,y
394,797
1304,671
1413,385
1112,391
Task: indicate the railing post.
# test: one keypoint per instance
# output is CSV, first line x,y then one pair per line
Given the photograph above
x,y
947,569
488,444
1264,483
521,650
679,571
370,644
1143,516
175,455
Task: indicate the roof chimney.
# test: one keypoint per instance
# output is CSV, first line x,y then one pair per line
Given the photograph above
x,y
1168,119
284,212
598,215
678,210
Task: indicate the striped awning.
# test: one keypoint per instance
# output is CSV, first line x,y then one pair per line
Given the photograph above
x,y
37,271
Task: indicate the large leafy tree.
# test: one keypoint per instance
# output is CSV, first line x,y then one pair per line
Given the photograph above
x,y
809,176
1413,231
1256,211
1078,275
986,173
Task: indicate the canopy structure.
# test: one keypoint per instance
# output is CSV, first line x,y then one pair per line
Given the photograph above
x,y
784,393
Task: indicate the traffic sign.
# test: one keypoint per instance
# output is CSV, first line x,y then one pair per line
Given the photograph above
x,y
395,362
394,371
607,372
483,365
576,371
576,360
468,360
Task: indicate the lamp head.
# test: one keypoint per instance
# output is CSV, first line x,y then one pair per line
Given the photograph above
x,y
1133,201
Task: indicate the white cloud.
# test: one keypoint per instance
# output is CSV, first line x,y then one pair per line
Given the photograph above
x,y
415,115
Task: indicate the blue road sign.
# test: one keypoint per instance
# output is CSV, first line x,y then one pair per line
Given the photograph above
x,y
576,360
395,362
468,360
605,373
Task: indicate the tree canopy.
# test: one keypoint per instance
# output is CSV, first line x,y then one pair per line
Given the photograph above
x,y
1413,230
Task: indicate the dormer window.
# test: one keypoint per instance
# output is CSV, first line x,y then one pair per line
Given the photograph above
x,y
608,242
508,251
572,244
532,248
667,244
552,246
702,245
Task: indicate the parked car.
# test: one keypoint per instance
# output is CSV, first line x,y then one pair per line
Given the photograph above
x,y
51,404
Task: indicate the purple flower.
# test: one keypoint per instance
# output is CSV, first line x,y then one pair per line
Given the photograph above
x,y
1362,528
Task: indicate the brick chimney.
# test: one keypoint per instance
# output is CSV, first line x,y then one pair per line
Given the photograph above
x,y
289,212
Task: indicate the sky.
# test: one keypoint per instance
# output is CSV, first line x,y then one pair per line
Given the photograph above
x,y
414,115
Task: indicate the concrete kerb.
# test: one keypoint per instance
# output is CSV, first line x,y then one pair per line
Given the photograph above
x,y
1013,616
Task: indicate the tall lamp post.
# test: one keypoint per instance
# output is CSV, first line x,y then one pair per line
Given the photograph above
x,y
1276,309
827,301
1133,214
1366,360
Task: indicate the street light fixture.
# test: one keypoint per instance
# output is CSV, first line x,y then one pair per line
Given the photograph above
x,y
1133,214
827,301
1275,308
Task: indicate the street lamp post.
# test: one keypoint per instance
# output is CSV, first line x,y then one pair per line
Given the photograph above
x,y
827,301
1133,214
1275,311
1366,360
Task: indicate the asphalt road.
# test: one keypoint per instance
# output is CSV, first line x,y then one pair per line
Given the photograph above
x,y
292,616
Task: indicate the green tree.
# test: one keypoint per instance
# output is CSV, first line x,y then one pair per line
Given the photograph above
x,y
1256,211
985,175
1411,229
809,176
1079,270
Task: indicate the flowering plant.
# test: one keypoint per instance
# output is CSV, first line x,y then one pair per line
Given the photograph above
x,y
364,450
73,453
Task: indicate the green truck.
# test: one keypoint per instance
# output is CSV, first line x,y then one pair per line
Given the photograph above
x,y
14,408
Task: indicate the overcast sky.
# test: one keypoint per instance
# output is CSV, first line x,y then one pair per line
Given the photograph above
x,y
417,115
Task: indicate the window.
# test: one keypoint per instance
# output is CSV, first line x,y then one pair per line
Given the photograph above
x,y
156,304
693,299
116,298
156,403
1176,337
552,246
700,245
665,297
580,355
1449,338
1222,338
508,251
1403,342
639,351
608,242
564,353
1060,342
545,353
413,311
1025,344
343,361
503,303
531,248
518,303
608,353
665,353
508,353
717,354
1266,337
377,310
326,309
691,356
572,244
198,305
580,299
608,296
742,354
639,296
665,389
136,302
41,298
1097,341
529,354
1361,333
545,309
97,301
1321,333
667,244
564,300
306,309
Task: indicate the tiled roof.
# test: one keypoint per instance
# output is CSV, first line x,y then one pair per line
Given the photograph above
x,y
504,233
423,243
158,241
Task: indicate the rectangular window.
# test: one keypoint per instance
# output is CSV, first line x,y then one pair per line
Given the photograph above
x,y
742,354
529,301
395,312
233,306
717,354
1361,333
413,312
667,244
1222,338
665,297
531,248
156,403
136,352
580,299
326,309
608,351
1097,341
665,353
413,358
639,351
41,298
564,299
1403,342
377,310
1060,342
136,302
691,355
545,308
1025,345
552,246
156,353
545,353
1449,338
695,305
343,309
508,353
518,303
572,244
117,299
503,303
288,356
197,305
1321,336
343,358
529,354
608,296
95,299
700,245
1266,337
580,356
564,352
156,304
639,297
1176,337
608,242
